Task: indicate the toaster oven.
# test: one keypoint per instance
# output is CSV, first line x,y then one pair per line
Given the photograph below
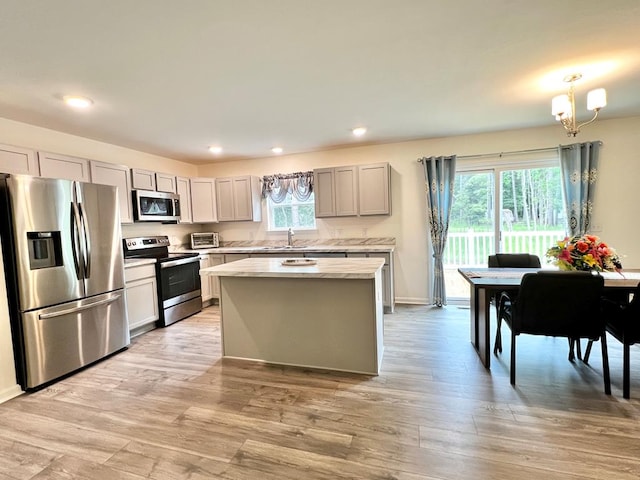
x,y
204,240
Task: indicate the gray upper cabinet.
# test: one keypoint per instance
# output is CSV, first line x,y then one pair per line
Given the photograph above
x,y
117,176
166,183
18,160
183,188
143,179
324,192
149,180
224,199
346,187
238,199
374,189
336,191
53,165
203,200
351,190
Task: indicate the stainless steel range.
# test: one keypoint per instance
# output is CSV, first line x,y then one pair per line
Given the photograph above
x,y
177,274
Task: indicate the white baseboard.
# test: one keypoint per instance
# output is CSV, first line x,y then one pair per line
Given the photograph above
x,y
10,392
412,301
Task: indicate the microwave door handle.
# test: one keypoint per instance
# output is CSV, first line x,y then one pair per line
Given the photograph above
x,y
87,241
75,239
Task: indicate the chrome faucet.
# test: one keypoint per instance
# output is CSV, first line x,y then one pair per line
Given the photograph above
x,y
290,235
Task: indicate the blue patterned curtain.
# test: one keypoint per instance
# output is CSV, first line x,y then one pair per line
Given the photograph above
x,y
439,175
579,166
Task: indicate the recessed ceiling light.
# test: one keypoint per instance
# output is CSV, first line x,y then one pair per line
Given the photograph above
x,y
215,149
359,131
277,150
77,101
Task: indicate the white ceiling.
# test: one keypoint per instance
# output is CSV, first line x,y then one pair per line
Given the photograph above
x,y
173,77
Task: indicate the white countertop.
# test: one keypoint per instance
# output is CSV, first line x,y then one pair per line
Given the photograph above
x,y
301,249
344,268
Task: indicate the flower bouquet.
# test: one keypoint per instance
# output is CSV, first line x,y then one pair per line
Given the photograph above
x,y
586,253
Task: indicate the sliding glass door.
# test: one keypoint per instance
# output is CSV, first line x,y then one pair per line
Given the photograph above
x,y
529,217
532,215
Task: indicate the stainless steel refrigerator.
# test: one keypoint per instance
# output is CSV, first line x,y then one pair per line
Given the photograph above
x,y
64,269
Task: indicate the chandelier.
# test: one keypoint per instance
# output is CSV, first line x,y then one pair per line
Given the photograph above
x,y
563,107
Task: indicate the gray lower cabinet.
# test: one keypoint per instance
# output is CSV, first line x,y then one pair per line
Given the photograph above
x,y
388,294
284,254
232,257
326,255
210,285
142,298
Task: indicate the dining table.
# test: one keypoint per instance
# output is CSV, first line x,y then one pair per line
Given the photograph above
x,y
484,283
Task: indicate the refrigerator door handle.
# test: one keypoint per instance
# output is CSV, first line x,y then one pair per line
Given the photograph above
x,y
87,241
75,241
67,311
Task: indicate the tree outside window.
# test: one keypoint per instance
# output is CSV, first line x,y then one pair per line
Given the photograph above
x,y
291,213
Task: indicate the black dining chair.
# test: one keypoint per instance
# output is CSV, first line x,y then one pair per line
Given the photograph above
x,y
623,323
514,260
557,304
509,260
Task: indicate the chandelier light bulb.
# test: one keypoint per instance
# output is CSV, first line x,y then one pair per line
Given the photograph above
x,y
359,131
215,149
560,105
277,150
563,107
596,99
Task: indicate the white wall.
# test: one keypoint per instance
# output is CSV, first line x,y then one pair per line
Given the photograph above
x,y
617,196
37,138
8,386
615,211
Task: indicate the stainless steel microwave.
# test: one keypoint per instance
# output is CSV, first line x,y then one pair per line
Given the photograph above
x,y
151,206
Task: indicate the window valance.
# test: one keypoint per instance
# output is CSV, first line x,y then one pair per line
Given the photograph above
x,y
277,186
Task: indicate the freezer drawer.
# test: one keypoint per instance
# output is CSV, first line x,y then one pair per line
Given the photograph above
x,y
64,338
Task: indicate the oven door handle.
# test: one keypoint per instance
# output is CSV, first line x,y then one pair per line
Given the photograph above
x,y
182,261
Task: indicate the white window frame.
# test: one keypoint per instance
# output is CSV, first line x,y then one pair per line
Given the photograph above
x,y
289,200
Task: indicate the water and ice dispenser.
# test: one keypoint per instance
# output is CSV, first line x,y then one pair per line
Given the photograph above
x,y
45,249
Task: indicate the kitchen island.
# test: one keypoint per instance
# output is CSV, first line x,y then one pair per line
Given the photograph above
x,y
326,314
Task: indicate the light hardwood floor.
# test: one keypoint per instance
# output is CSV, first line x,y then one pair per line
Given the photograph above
x,y
170,408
